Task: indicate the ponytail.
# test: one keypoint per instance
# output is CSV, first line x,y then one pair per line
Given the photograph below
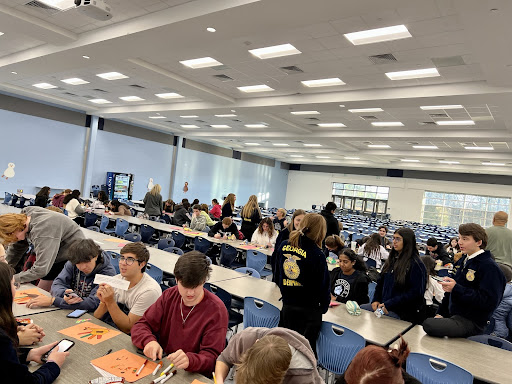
x,y
334,241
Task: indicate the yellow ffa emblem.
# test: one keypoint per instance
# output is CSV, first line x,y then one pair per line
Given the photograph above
x,y
291,269
470,275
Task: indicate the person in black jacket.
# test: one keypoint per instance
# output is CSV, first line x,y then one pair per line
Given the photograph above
x,y
14,359
303,278
473,294
181,214
333,227
349,281
228,206
437,251
42,197
251,217
223,229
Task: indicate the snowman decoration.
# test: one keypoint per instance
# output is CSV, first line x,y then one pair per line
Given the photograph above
x,y
150,184
9,172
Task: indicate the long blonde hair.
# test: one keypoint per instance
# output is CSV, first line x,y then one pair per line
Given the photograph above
x,y
229,199
250,207
155,191
312,226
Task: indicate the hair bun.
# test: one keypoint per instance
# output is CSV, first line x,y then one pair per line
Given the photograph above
x,y
399,353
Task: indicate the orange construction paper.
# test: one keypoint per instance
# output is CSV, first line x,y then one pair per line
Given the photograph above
x,y
89,333
197,382
124,364
23,297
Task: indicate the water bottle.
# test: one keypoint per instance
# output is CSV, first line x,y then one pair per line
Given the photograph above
x,y
379,312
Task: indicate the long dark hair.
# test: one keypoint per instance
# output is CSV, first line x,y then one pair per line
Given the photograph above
x,y
372,245
399,262
360,265
44,192
102,196
116,204
7,321
73,195
430,264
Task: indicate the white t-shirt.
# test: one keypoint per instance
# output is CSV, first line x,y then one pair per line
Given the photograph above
x,y
71,206
140,297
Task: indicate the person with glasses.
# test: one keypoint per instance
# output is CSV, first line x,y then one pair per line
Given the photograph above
x,y
401,288
349,280
123,308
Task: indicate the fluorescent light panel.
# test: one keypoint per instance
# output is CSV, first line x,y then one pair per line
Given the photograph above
x,y
378,35
255,125
203,62
189,116
220,126
351,158
112,76
281,145
275,51
296,156
169,95
75,81
409,160
323,157
413,74
491,163
455,122
331,125
479,148
323,82
305,113
100,101
378,146
44,86
364,110
226,115
387,124
62,5
157,117
255,88
191,126
425,147
439,107
448,162
312,145
131,98
251,144
1,33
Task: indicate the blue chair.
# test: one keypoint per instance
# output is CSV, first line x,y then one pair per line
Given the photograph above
x,y
22,202
175,250
146,232
357,236
103,225
257,260
114,259
493,341
201,244
7,198
165,243
235,318
155,272
371,290
14,200
249,271
346,234
135,237
371,263
228,255
179,239
336,346
94,228
259,313
32,202
90,219
95,189
121,227
431,370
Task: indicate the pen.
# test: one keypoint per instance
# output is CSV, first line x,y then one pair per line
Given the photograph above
x,y
141,367
167,369
160,364
108,352
161,379
214,379
168,376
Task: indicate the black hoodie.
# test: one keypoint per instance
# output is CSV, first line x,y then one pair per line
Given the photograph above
x,y
333,228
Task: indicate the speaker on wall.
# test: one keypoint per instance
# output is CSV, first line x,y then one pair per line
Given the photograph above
x,y
395,173
237,155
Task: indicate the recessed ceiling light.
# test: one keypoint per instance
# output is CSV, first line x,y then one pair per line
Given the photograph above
x,y
157,117
410,160
323,82
255,125
378,146
363,110
448,162
14,73
112,76
86,57
100,101
475,148
226,115
281,144
255,88
379,34
491,163
275,51
413,74
305,113
342,106
189,116
455,122
220,126
75,81
1,33
131,98
251,144
203,62
62,5
191,126
312,145
296,156
331,125
323,157
437,107
211,29
44,86
387,124
170,95
351,158
425,147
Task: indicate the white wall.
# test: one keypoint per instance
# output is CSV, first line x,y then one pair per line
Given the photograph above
x,y
405,195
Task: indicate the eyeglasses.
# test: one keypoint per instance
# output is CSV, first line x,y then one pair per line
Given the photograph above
x,y
128,260
397,239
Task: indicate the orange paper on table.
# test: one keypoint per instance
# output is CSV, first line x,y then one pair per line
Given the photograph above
x,y
124,364
197,382
23,297
89,333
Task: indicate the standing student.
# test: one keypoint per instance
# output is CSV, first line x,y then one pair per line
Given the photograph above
x,y
51,234
71,204
153,204
473,294
15,359
187,321
401,288
436,250
349,280
384,241
434,293
198,222
372,249
58,198
216,210
303,278
42,197
228,206
333,244
251,217
123,308
279,221
333,228
500,239
265,235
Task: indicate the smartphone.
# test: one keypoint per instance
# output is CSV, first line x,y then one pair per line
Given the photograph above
x,y
71,294
64,345
76,313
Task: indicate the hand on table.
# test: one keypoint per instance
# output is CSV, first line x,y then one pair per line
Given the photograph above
x,y
153,350
216,236
179,359
30,334
40,301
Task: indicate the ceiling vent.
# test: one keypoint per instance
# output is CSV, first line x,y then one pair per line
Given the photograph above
x,y
45,7
137,86
220,67
223,78
200,121
369,117
237,121
450,61
312,118
427,123
70,94
438,115
291,69
100,90
169,121
385,58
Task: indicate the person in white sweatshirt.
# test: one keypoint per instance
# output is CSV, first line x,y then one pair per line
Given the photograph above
x,y
373,250
265,235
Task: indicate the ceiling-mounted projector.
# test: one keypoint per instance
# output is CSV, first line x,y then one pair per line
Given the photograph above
x,y
96,9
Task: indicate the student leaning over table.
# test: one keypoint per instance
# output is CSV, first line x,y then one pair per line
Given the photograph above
x,y
223,229
85,261
122,308
187,321
13,361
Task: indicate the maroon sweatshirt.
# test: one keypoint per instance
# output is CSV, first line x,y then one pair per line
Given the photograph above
x,y
202,337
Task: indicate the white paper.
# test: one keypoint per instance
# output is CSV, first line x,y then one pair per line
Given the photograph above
x,y
102,372
114,282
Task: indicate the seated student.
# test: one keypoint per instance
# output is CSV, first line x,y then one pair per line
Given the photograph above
x,y
85,261
223,229
452,247
198,222
384,241
265,235
436,250
14,359
50,234
99,205
169,206
58,198
503,314
372,249
473,294
228,206
187,321
279,221
401,288
181,215
71,203
216,210
349,280
377,365
204,212
42,197
118,208
434,291
253,350
333,244
122,308
251,217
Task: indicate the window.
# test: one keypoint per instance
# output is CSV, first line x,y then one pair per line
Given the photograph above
x,y
453,209
359,197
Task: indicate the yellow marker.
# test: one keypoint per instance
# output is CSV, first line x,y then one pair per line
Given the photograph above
x,y
214,379
167,369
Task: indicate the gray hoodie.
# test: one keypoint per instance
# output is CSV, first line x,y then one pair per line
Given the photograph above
x,y
51,234
303,365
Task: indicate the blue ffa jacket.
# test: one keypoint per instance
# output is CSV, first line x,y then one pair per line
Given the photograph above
x,y
302,275
479,289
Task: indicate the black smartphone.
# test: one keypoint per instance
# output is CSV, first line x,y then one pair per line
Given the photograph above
x,y
71,294
64,345
76,313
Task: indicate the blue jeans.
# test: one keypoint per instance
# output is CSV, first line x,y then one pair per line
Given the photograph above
x,y
368,307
